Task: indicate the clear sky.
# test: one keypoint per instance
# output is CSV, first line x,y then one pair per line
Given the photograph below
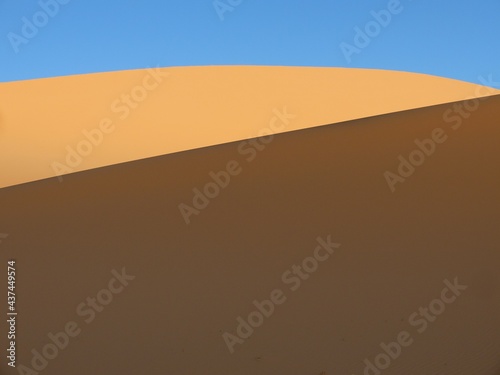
x,y
455,38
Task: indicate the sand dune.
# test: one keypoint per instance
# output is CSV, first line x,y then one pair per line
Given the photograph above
x,y
399,250
55,126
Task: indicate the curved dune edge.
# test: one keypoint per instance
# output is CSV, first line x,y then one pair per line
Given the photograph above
x,y
47,125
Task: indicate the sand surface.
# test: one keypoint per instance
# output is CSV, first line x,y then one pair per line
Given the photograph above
x,y
193,281
156,112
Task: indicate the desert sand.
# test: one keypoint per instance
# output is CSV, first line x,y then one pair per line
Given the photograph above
x,y
399,249
55,126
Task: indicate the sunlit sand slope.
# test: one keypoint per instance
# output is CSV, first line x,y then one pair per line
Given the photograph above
x,y
56,126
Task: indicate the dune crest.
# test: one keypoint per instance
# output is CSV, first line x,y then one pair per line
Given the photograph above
x,y
68,124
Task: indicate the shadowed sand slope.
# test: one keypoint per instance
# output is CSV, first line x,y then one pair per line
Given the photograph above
x,y
398,252
56,126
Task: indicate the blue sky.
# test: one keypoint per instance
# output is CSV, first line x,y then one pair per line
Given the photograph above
x,y
455,39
